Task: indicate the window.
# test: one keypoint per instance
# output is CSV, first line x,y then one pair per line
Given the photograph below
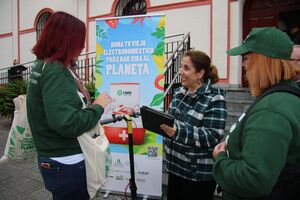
x,y
40,23
131,7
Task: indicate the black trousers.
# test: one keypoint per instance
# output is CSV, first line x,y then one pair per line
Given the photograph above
x,y
184,189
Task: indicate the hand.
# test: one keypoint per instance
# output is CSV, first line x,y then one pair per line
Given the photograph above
x,y
170,131
221,147
103,99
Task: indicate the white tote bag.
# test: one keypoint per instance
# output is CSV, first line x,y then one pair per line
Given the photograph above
x,y
95,149
19,144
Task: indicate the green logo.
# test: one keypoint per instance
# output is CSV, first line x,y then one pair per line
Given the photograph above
x,y
119,92
20,129
11,141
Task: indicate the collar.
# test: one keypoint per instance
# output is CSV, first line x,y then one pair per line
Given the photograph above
x,y
201,90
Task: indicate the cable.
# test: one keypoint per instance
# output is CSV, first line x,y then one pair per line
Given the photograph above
x,y
126,188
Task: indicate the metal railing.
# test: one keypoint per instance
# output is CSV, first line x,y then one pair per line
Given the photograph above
x,y
86,69
172,64
87,62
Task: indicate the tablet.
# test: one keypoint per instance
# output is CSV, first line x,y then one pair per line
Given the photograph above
x,y
152,119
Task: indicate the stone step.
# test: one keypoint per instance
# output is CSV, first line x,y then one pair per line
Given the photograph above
x,y
237,101
238,94
234,105
232,118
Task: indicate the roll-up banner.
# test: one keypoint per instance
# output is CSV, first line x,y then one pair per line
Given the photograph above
x,y
130,66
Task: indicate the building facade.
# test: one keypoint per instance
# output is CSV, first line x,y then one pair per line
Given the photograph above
x,y
214,25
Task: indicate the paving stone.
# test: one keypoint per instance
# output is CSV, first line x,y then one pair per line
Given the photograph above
x,y
6,193
29,186
41,194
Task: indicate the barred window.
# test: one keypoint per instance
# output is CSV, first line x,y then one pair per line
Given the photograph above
x,y
40,23
131,7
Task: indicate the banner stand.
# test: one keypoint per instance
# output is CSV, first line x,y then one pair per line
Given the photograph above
x,y
130,55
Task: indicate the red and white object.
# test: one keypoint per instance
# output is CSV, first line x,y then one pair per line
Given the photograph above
x,y
126,100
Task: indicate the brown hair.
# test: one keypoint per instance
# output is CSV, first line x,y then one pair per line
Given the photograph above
x,y
264,72
202,61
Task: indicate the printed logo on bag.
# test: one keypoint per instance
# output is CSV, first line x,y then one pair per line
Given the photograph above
x,y
11,148
13,132
20,129
108,161
21,144
11,141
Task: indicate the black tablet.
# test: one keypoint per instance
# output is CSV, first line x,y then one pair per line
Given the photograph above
x,y
152,119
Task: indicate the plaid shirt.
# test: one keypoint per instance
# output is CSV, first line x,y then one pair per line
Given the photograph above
x,y
200,120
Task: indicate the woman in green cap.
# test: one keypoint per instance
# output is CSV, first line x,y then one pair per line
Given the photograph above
x,y
263,146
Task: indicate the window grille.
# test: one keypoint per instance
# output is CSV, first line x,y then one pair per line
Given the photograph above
x,y
131,7
41,21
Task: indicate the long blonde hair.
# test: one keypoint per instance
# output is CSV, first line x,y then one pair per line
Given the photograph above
x,y
264,72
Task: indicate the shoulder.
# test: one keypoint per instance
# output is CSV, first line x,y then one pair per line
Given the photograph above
x,y
217,93
54,67
280,99
180,91
283,103
55,70
283,98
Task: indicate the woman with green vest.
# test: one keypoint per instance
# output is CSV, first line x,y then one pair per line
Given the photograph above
x,y
55,110
260,158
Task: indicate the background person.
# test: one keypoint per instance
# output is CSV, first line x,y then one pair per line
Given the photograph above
x,y
200,117
295,34
16,71
54,107
295,59
271,136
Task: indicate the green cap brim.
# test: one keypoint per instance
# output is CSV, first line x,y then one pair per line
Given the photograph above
x,y
238,51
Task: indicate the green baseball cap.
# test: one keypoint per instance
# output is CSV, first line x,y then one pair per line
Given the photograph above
x,y
268,41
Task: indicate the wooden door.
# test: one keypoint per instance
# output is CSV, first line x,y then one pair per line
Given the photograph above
x,y
267,13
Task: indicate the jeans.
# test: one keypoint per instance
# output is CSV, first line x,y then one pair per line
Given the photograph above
x,y
64,181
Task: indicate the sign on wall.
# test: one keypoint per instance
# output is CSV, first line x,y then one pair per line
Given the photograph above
x,y
130,66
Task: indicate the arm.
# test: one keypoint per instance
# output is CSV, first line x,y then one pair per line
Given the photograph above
x,y
168,129
212,129
63,107
265,144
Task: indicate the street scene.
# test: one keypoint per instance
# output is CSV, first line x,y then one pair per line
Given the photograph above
x,y
148,99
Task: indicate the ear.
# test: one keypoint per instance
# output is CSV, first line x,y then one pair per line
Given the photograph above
x,y
201,73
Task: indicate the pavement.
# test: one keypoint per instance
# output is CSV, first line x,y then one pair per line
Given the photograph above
x,y
21,179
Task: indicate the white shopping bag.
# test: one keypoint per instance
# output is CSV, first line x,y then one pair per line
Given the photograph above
x,y
20,144
96,152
